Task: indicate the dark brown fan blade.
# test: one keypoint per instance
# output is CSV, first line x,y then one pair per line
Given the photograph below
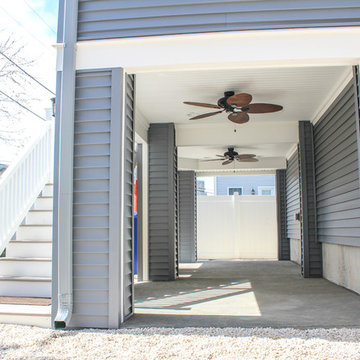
x,y
239,99
247,159
215,159
245,156
227,162
262,108
239,117
205,115
202,104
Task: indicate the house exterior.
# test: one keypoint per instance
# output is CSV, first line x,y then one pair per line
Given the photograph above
x,y
115,56
245,185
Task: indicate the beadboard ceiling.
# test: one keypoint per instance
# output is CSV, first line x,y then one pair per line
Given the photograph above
x,y
301,91
304,92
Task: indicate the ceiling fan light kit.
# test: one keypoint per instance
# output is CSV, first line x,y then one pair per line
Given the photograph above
x,y
237,106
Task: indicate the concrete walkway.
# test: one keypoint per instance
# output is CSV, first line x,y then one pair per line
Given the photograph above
x,y
244,294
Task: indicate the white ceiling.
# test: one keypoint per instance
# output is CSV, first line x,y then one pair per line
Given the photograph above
x,y
303,93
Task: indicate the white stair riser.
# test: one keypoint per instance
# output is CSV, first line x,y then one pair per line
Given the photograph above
x,y
39,217
25,268
34,233
29,249
43,204
48,190
31,320
25,288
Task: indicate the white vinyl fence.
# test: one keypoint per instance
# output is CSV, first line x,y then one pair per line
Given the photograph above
x,y
237,227
22,182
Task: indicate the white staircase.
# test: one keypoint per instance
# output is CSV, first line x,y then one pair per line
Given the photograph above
x,y
25,271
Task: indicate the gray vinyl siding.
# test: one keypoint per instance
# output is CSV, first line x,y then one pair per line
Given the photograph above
x,y
311,250
103,19
337,172
103,173
292,197
163,207
128,225
91,198
283,240
187,216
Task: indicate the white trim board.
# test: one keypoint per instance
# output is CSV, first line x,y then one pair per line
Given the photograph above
x,y
263,49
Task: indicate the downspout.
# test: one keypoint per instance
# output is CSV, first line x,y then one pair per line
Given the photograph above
x,y
66,64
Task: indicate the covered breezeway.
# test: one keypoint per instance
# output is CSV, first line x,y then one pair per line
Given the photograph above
x,y
147,108
244,293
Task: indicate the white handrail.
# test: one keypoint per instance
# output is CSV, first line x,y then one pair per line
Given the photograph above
x,y
22,182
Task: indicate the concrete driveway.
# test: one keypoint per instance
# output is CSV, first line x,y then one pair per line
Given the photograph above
x,y
244,294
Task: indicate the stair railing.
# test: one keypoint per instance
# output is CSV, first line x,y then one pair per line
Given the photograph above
x,y
22,182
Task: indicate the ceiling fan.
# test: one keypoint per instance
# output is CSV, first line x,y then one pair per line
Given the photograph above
x,y
237,105
231,155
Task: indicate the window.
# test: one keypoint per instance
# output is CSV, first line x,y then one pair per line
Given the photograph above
x,y
266,190
233,190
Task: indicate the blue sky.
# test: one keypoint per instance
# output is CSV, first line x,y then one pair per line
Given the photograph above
x,y
48,10
32,25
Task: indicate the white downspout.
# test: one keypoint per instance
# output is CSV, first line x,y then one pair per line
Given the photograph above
x,y
66,148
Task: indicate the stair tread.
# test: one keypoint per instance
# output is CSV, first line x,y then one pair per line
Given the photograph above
x,y
25,300
40,210
30,241
24,259
32,225
31,310
25,278
45,196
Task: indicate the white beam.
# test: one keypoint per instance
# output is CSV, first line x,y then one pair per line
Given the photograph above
x,y
265,48
247,134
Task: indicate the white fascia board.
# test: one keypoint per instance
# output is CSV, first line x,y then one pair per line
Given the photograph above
x,y
246,134
265,48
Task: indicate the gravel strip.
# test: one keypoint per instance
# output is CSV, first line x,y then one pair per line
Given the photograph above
x,y
24,342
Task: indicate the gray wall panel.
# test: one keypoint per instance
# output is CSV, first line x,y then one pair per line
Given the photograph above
x,y
187,216
102,170
283,240
91,191
311,250
292,197
337,172
101,19
163,204
128,216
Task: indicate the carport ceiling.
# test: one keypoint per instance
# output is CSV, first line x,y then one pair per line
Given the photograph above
x,y
301,91
304,92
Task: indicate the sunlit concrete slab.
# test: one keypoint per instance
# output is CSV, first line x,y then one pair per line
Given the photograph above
x,y
244,293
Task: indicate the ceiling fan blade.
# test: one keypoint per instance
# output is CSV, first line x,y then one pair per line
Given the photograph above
x,y
245,156
214,159
262,108
205,115
239,117
227,162
247,160
239,99
202,104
